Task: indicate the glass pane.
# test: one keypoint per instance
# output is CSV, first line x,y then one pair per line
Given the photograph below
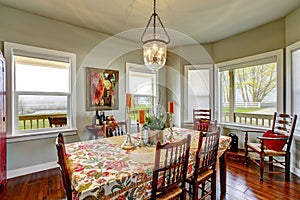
x,y
141,83
42,76
225,92
253,99
34,110
198,90
141,103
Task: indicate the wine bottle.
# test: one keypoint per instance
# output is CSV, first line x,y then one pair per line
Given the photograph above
x,y
102,118
98,118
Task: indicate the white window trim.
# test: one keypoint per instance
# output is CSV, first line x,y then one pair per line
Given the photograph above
x,y
280,78
209,67
9,48
289,83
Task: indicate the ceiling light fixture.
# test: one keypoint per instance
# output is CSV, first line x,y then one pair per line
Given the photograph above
x,y
155,39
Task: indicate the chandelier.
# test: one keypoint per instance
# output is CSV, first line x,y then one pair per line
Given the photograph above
x,y
155,39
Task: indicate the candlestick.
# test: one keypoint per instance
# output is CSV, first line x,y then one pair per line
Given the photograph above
x,y
141,142
128,100
171,107
128,143
171,135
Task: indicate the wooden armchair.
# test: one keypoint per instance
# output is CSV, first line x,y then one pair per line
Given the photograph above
x,y
62,161
283,126
170,170
205,166
201,115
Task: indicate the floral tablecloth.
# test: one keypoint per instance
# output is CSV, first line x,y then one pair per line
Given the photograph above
x,y
101,169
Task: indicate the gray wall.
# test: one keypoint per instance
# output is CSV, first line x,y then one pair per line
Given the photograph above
x,y
292,27
262,39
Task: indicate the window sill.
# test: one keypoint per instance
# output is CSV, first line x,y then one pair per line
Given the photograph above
x,y
39,135
242,126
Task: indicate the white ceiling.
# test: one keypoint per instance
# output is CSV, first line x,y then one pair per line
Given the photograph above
x,y
203,20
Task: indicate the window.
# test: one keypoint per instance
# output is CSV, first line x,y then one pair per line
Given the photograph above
x,y
250,89
199,89
293,82
41,85
141,82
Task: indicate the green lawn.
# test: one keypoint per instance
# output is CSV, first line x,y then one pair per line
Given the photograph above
x,y
242,110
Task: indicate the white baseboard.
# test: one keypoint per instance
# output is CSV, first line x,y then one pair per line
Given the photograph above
x,y
295,171
32,169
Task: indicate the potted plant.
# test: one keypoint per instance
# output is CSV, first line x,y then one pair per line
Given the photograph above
x,y
155,123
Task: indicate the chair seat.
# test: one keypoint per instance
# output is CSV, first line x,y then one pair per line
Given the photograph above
x,y
202,176
171,194
257,148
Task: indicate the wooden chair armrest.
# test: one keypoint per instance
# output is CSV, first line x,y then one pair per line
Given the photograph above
x,y
270,138
253,131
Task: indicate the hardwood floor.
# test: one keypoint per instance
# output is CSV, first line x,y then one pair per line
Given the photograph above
x,y
41,185
242,183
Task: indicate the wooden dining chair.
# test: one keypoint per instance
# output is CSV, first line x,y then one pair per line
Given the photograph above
x,y
201,115
62,161
205,166
114,128
170,170
60,138
57,121
274,143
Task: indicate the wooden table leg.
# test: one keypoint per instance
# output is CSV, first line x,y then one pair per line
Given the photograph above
x,y
222,165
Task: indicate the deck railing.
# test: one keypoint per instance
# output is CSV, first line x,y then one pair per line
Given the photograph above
x,y
27,122
135,114
250,118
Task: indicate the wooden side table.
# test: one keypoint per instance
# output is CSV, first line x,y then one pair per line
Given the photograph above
x,y
96,130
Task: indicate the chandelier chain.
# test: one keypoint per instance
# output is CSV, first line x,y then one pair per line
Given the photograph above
x,y
154,16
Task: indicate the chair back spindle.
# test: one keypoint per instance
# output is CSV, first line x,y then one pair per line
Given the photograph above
x,y
170,169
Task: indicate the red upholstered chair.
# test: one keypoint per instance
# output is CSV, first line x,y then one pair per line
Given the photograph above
x,y
170,170
205,166
268,146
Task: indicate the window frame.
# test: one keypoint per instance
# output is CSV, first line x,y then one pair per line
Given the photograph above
x,y
142,69
254,59
211,69
290,83
12,49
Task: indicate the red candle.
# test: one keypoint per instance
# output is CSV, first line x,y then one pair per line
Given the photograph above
x,y
142,119
171,107
128,100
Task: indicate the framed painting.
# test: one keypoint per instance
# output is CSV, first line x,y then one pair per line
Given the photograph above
x,y
101,89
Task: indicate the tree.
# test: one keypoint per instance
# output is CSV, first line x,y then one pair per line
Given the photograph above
x,y
256,82
225,85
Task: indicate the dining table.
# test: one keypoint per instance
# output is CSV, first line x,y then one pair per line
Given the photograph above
x,y
101,169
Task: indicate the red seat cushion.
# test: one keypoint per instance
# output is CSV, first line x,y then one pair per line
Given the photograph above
x,y
203,125
275,145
